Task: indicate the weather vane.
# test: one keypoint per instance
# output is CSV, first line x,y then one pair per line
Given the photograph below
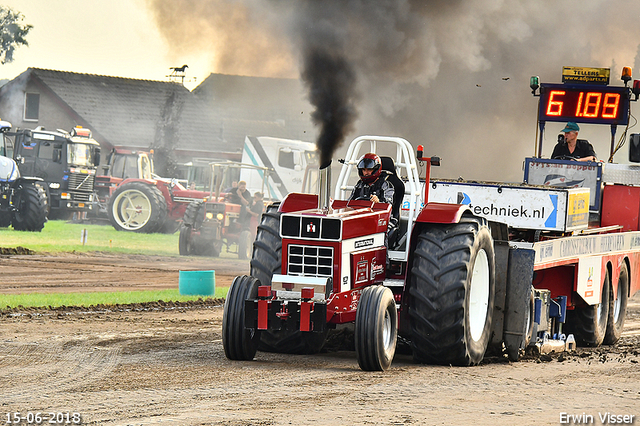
x,y
178,73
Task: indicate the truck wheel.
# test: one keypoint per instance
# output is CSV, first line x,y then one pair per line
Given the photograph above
x,y
589,323
137,207
244,245
185,241
618,308
31,213
451,293
267,260
239,343
376,328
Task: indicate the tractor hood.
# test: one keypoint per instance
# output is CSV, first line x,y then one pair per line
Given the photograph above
x,y
8,170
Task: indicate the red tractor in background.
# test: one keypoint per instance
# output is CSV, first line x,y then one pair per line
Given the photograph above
x,y
216,221
135,199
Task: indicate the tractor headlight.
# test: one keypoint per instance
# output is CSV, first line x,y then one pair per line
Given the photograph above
x,y
65,196
220,216
209,215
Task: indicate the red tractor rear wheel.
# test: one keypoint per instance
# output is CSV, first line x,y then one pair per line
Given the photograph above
x,y
451,293
137,207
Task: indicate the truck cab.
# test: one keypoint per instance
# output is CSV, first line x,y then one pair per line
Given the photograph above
x,y
67,163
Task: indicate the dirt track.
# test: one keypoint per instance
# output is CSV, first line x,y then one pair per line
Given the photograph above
x,y
166,365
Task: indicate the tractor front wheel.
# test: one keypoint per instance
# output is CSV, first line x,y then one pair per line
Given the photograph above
x,y
239,343
376,328
451,293
185,240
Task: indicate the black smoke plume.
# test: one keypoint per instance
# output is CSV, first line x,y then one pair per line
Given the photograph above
x,y
331,82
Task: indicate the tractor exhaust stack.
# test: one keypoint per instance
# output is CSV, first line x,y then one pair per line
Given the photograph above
x,y
324,186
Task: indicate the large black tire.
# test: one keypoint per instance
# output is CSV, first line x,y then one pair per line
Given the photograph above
x,y
137,207
376,328
265,261
618,308
239,343
589,323
451,293
31,208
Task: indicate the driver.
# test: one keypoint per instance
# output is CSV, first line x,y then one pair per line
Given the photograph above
x,y
373,183
572,147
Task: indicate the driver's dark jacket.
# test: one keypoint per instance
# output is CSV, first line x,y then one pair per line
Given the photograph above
x,y
380,187
583,149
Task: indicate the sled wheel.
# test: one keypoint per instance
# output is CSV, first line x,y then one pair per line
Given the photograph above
x,y
239,343
451,293
618,308
376,328
137,207
266,261
589,323
31,209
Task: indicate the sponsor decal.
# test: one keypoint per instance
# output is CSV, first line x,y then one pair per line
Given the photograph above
x,y
363,243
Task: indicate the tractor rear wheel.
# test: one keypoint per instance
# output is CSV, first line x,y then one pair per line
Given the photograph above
x,y
267,260
451,293
589,323
31,212
239,343
137,207
376,328
618,308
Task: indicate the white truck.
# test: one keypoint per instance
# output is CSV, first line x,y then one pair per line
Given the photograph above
x,y
294,163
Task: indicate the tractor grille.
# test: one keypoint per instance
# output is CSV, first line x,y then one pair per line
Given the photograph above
x,y
310,261
81,182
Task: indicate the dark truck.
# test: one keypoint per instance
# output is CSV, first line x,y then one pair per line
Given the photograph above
x,y
66,161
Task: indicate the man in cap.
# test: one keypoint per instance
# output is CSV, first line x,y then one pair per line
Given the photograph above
x,y
573,148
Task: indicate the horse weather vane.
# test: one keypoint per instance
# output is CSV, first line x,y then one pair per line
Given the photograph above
x,y
178,73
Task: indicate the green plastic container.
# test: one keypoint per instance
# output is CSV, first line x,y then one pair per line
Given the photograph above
x,y
197,283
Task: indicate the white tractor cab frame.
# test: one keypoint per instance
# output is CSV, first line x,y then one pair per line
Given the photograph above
x,y
404,167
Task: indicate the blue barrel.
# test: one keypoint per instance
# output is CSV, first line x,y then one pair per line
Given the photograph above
x,y
197,283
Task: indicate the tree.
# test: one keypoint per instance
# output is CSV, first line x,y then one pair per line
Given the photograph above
x,y
12,33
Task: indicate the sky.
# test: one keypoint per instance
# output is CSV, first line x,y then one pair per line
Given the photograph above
x,y
452,75
106,37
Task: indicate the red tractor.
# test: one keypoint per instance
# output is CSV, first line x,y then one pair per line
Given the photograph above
x,y
318,263
135,199
217,221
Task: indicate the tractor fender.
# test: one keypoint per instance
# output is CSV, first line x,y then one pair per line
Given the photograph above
x,y
295,202
29,179
441,213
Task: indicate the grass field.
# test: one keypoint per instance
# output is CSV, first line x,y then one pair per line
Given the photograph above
x,y
61,236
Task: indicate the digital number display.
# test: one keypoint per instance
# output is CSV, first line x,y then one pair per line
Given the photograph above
x,y
584,104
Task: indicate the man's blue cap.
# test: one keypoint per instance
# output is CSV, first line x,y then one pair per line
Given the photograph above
x,y
570,127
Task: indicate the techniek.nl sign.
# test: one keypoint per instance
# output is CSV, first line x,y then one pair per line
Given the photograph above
x,y
518,207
